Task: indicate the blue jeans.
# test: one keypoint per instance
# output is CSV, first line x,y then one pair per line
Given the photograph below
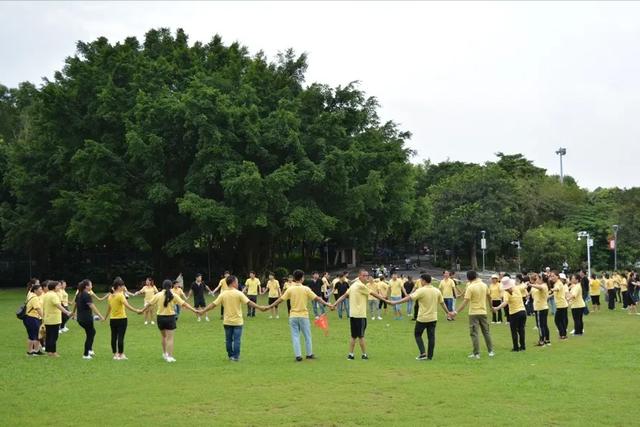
x,y
396,308
586,306
233,336
410,307
177,308
317,306
449,303
373,308
298,325
552,305
344,305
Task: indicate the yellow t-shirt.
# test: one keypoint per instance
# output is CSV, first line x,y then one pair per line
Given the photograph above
x,y
616,281
383,288
169,310
287,285
540,297
576,293
180,292
495,291
417,284
623,284
116,302
149,292
476,293
396,287
514,299
252,286
64,297
523,290
52,314
232,300
274,288
594,287
223,284
446,287
299,295
429,299
609,284
559,290
358,296
33,304
373,287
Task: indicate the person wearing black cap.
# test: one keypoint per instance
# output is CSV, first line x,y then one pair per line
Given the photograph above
x,y
197,289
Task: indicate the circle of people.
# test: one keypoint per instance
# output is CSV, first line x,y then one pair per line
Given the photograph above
x,y
46,309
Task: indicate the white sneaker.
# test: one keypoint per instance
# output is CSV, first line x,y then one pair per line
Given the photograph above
x,y
491,354
65,329
123,357
153,323
270,317
116,357
170,359
379,318
474,356
493,323
199,319
87,357
573,331
277,317
207,319
373,318
91,353
164,356
146,323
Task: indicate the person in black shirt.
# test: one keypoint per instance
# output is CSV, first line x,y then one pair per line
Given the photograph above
x,y
408,288
84,308
342,285
584,284
197,289
316,286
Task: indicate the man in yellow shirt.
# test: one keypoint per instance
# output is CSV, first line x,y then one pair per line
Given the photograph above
x,y
358,294
477,296
233,300
222,286
273,286
300,296
429,298
251,288
64,299
594,293
383,289
611,291
448,288
396,288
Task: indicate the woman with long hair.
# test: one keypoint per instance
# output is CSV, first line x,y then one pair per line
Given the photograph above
x,y
540,295
84,309
33,319
512,297
560,291
118,323
576,301
166,301
53,310
149,289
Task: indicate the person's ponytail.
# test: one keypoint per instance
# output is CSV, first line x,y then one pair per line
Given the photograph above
x,y
168,295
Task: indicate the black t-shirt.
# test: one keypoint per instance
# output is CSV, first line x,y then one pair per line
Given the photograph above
x,y
198,290
83,300
316,286
342,288
408,286
584,283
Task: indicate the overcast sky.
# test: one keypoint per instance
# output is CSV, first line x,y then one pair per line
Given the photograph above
x,y
467,79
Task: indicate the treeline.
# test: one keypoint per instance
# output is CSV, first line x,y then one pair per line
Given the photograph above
x,y
180,151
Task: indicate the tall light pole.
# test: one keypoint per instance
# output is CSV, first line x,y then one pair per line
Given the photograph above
x,y
615,247
582,234
516,243
483,246
561,152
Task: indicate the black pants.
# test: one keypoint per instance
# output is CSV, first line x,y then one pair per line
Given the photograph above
x,y
562,321
118,329
288,306
382,304
611,293
90,332
543,326
51,337
65,318
517,321
506,312
496,317
251,312
416,306
578,325
431,337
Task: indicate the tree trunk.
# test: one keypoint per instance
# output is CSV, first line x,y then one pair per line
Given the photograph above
x,y
472,256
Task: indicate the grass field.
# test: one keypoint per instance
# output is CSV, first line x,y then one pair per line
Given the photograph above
x,y
592,380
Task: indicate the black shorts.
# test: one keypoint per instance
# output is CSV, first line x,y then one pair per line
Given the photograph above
x,y
166,323
358,326
595,299
272,300
32,325
199,303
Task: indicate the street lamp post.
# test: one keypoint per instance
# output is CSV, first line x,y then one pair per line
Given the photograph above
x,y
585,234
615,247
561,152
516,243
483,246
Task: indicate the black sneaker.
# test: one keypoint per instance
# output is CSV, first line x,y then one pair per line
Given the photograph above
x,y
422,357
350,357
365,357
311,356
298,359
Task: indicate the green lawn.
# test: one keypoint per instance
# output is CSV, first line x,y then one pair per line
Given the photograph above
x,y
592,380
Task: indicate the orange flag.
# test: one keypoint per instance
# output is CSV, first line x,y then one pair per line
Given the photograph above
x,y
322,322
